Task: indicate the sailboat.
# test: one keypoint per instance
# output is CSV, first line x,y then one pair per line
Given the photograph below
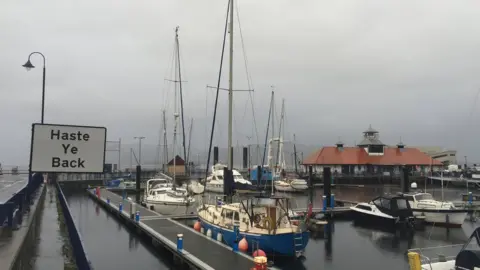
x,y
263,222
162,195
214,182
282,181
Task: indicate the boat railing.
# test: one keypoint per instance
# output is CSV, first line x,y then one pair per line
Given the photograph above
x,y
430,255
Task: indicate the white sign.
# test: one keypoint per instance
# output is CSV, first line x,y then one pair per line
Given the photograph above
x,y
63,148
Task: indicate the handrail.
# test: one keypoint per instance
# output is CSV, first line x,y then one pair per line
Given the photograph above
x,y
81,257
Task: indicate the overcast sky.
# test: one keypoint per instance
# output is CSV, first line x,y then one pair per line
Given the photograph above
x,y
408,68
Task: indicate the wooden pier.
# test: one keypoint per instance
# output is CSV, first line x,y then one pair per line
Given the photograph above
x,y
198,252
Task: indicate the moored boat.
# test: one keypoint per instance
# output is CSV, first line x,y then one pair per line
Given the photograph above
x,y
263,222
163,197
215,181
387,212
467,258
442,213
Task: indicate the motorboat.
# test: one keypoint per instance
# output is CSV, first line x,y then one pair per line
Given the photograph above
x,y
121,183
387,212
438,212
162,196
467,258
263,222
214,182
291,185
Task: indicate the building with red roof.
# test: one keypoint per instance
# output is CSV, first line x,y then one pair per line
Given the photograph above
x,y
371,156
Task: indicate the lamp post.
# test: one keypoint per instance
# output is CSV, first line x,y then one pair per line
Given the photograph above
x,y
139,149
28,65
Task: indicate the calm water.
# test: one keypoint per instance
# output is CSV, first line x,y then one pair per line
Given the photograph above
x,y
348,247
109,244
351,247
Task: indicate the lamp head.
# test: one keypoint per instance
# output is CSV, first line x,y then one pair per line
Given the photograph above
x,y
28,65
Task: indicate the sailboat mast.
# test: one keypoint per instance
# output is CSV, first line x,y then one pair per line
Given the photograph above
x,y
295,153
230,92
177,43
175,115
165,142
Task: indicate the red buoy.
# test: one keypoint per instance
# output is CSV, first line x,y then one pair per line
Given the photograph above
x,y
259,253
243,245
197,226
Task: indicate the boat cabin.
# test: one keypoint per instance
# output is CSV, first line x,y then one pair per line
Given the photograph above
x,y
261,213
415,197
393,205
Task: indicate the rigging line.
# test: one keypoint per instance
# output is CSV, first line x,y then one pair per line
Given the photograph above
x,y
216,96
470,116
170,75
249,78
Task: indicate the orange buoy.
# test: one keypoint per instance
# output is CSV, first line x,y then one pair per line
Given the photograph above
x,y
197,226
243,245
258,253
295,222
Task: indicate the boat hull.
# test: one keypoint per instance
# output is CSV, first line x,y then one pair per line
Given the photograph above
x,y
377,222
291,188
168,208
439,217
278,244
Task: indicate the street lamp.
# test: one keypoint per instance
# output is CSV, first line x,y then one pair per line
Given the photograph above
x,y
139,149
28,65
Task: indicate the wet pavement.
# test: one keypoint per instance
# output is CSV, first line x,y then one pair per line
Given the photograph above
x,y
109,244
50,242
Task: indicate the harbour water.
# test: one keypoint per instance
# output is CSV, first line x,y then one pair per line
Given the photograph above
x,y
109,244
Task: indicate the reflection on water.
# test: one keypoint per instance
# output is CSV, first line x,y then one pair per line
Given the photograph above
x,y
109,244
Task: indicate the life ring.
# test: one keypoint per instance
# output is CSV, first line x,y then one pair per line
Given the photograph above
x,y
270,224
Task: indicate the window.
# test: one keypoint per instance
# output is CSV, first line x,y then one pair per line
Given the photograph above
x,y
424,196
409,198
364,207
385,203
402,204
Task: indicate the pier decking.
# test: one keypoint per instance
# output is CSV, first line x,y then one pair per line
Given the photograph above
x,y
199,251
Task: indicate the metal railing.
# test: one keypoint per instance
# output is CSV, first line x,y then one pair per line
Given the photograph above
x,y
12,210
81,258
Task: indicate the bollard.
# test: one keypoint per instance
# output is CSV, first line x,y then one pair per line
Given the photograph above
x,y
108,200
470,198
179,242
132,210
137,216
332,200
120,207
324,203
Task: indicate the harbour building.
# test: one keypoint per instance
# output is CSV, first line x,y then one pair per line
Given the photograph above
x,y
371,157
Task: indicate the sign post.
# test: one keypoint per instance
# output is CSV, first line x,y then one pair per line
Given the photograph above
x,y
67,149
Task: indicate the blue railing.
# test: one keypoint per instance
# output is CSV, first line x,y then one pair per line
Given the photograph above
x,y
81,257
12,210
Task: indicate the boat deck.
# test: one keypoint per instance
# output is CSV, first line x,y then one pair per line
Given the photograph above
x,y
203,251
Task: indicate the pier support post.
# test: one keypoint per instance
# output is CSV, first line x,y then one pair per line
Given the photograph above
x,y
137,182
332,201
327,184
215,155
324,207
179,242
